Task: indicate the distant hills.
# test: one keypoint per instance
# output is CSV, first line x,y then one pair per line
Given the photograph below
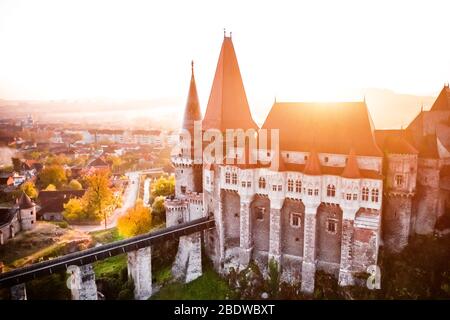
x,y
387,108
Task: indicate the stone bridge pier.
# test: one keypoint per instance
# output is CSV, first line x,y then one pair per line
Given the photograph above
x,y
188,262
18,292
140,270
82,283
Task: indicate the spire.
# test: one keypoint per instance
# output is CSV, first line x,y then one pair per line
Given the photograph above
x,y
351,170
312,166
192,111
227,105
25,201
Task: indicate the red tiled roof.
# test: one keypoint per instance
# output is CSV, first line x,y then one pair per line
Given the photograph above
x,y
192,111
325,127
227,105
395,141
312,165
351,169
443,100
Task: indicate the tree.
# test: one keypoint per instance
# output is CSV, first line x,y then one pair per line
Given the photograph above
x,y
164,186
74,210
75,185
135,221
30,189
158,209
99,197
50,187
53,174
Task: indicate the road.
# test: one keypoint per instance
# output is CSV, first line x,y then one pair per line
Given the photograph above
x,y
128,201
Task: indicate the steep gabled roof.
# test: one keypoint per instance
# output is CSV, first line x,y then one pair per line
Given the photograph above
x,y
325,127
192,111
227,105
443,100
351,170
312,165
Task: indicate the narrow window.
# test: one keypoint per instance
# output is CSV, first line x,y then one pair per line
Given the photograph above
x,y
310,192
331,226
298,186
295,220
227,177
399,180
331,190
365,194
375,195
290,185
262,183
234,178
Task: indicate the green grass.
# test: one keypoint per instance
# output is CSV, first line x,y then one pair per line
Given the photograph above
x,y
111,266
106,236
207,287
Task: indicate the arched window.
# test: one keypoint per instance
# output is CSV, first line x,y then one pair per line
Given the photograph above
x,y
262,183
227,177
331,190
234,178
298,186
365,194
375,195
290,185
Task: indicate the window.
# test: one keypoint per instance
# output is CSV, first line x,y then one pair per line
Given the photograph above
x,y
399,180
262,183
326,159
274,187
348,196
249,184
365,194
234,178
259,211
268,154
316,192
296,218
183,189
298,186
331,190
227,177
310,192
290,185
280,187
332,226
287,155
355,196
243,184
375,194
306,158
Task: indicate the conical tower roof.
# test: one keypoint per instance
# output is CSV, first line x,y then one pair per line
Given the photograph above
x,y
227,105
25,201
312,166
192,111
351,170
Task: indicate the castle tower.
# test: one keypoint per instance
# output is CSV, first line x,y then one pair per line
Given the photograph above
x,y
400,181
27,212
227,109
188,174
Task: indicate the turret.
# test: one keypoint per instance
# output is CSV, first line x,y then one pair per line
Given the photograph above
x,y
188,174
27,211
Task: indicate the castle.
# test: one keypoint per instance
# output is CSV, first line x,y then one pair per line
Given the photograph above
x,y
340,191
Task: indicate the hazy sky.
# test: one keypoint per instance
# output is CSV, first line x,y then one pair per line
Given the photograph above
x,y
295,50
